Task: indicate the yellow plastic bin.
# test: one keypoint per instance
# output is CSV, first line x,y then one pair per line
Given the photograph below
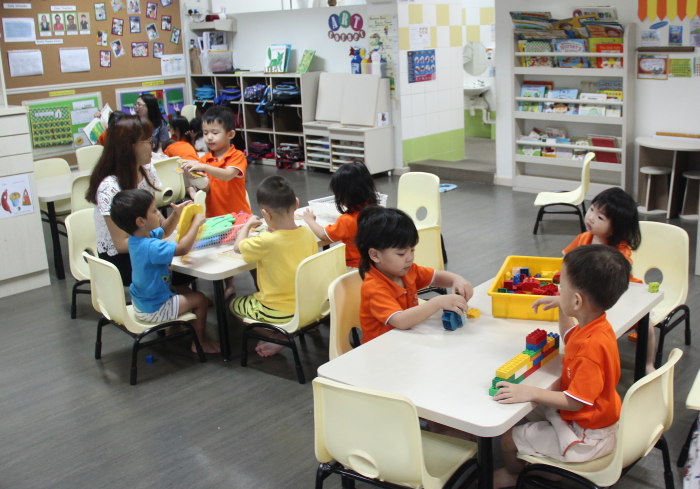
x,y
518,306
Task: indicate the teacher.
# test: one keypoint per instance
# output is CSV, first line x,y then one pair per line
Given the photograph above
x,y
147,109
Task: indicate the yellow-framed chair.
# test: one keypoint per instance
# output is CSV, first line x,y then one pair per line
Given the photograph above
x,y
88,156
375,437
573,198
647,412
314,275
108,299
344,300
172,185
189,112
82,237
77,194
666,248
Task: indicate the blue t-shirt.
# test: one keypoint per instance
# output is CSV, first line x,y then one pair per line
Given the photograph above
x,y
150,270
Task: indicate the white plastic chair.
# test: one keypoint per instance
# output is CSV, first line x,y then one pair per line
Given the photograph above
x,y
647,412
52,167
344,299
665,247
314,275
172,186
428,253
77,194
80,227
573,198
189,112
375,437
88,156
108,299
418,195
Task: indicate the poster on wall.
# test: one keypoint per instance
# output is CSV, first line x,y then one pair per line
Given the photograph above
x,y
18,30
15,196
53,122
652,67
170,98
421,65
381,34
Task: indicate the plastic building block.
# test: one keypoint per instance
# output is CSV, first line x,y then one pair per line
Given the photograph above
x,y
508,284
493,391
556,338
512,366
451,320
536,340
653,287
503,291
557,277
525,271
186,219
516,271
473,313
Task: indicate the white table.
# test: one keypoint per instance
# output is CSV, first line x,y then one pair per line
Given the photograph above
x,y
447,374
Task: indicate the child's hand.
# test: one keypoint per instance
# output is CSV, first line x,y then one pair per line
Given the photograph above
x,y
511,393
253,222
198,220
193,166
177,208
549,302
451,302
463,288
308,216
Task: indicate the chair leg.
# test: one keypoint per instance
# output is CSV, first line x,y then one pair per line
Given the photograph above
x,y
244,345
74,298
683,456
540,213
667,325
322,473
444,251
347,482
134,354
98,340
197,344
668,472
580,219
297,360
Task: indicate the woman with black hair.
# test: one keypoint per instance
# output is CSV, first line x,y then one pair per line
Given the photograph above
x,y
148,110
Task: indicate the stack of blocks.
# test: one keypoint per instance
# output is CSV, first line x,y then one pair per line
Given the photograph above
x,y
540,347
451,320
521,282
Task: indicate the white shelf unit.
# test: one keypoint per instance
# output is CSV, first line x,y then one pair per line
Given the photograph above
x,y
534,173
283,125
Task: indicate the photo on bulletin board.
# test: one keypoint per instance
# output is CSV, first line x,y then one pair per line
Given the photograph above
x,y
117,5
44,24
133,7
152,32
101,38
166,23
117,48
152,10
100,11
59,28
158,48
105,59
139,50
84,22
166,3
175,36
135,25
118,27
71,24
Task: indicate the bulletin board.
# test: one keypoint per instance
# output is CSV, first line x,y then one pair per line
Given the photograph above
x,y
59,121
144,28
171,98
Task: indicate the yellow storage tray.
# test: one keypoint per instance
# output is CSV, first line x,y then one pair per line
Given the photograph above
x,y
518,306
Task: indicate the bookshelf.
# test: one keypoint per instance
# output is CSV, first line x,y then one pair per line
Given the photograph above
x,y
539,173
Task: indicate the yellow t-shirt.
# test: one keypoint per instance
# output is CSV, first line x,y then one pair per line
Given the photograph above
x,y
278,255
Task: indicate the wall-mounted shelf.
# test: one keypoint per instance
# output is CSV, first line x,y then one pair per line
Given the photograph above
x,y
226,25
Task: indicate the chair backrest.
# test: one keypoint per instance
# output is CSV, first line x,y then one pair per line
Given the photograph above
x,y
88,156
344,299
428,250
314,275
664,247
51,167
373,433
418,196
77,194
107,289
80,227
647,412
582,189
189,112
172,185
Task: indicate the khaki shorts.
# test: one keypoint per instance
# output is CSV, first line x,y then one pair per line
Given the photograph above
x,y
552,437
169,311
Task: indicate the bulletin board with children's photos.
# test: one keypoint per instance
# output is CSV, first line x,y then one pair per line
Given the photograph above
x,y
118,39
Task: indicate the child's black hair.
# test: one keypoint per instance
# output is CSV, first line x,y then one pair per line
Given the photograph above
x,y
114,117
182,126
222,115
276,194
621,209
353,187
600,272
196,128
381,228
127,205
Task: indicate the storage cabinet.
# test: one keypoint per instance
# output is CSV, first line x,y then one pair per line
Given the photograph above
x,y
538,173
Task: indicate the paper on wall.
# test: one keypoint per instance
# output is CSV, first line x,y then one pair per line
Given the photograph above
x,y
74,60
172,64
419,36
16,196
27,62
18,29
82,116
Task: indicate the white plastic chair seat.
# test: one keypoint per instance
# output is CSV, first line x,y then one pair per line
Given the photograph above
x,y
137,326
573,197
655,170
80,229
53,167
692,174
88,156
443,455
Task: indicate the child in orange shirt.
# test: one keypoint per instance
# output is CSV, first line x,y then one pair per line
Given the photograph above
x,y
353,188
386,239
182,147
579,422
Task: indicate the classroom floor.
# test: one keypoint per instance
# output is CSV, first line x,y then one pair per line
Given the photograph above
x,y
69,421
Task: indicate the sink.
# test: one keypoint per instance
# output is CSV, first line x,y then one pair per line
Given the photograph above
x,y
475,89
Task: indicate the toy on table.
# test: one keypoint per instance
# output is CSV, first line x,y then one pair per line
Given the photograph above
x,y
451,320
540,348
215,230
653,287
199,179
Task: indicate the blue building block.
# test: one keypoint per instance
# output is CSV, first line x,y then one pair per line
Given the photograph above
x,y
451,320
525,271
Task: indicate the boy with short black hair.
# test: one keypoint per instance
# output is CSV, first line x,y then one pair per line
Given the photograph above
x,y
135,212
278,253
579,422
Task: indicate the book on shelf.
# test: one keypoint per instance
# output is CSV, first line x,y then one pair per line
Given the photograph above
x,y
613,94
594,41
571,46
530,150
602,13
306,59
604,142
573,27
592,110
601,28
535,47
609,62
277,60
613,111
555,132
600,97
560,108
566,93
549,84
535,35
536,91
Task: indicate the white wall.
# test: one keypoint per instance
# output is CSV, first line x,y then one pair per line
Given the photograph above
x,y
660,105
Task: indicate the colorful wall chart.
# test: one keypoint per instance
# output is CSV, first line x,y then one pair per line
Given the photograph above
x,y
59,121
15,196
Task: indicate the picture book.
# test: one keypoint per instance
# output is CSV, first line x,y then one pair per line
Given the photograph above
x,y
555,132
563,93
530,150
573,27
675,35
593,96
277,58
609,62
604,29
613,94
535,47
549,84
594,41
613,111
604,142
602,13
537,91
592,110
571,46
560,108
306,59
94,129
652,66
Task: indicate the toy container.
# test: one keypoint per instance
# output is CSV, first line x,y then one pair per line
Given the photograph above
x,y
517,306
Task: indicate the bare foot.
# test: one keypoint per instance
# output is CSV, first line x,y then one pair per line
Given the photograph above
x,y
208,347
265,349
503,478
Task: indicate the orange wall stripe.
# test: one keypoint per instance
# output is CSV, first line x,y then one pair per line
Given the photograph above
x,y
661,9
681,9
642,9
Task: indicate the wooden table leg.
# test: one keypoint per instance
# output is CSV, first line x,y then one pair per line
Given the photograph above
x,y
55,239
222,320
640,356
485,460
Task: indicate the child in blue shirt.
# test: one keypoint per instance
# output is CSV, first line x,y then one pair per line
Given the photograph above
x,y
135,212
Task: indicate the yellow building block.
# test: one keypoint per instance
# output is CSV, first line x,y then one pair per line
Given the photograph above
x,y
186,217
473,313
512,366
550,356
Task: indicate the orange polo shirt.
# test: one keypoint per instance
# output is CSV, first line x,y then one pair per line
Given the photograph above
x,y
586,238
381,298
227,197
181,149
590,372
345,229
